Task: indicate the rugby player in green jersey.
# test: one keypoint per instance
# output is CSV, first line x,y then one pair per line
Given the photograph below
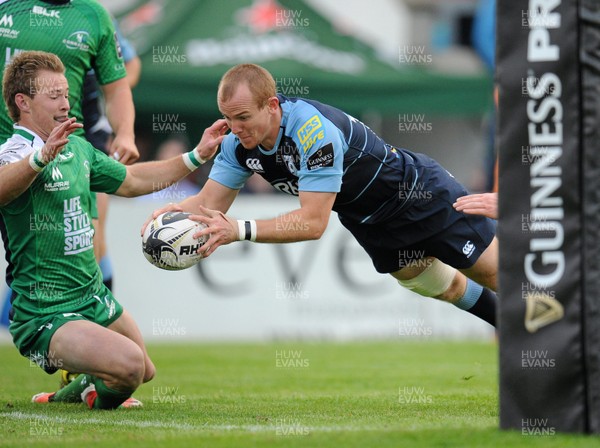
x,y
62,314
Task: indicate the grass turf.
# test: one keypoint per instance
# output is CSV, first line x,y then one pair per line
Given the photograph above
x,y
430,394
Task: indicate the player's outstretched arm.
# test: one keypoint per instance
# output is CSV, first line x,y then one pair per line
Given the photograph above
x,y
213,196
485,204
306,223
16,177
144,178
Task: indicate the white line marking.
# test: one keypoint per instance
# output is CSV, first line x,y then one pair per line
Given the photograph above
x,y
284,429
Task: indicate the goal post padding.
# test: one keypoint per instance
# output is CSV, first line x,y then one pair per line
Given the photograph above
x,y
546,291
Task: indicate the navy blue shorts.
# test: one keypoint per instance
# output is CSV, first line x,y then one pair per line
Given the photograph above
x,y
428,227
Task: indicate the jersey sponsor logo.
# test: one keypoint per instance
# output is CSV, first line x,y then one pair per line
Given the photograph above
x,y
42,17
6,20
56,174
78,41
40,10
288,187
79,233
468,248
58,184
6,23
312,140
322,158
306,134
255,165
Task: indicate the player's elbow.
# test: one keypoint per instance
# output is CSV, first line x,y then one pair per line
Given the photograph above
x,y
133,186
315,230
127,190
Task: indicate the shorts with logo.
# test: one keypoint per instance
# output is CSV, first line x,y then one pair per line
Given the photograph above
x,y
428,227
32,334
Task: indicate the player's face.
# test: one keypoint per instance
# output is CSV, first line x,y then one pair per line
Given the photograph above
x,y
50,104
252,124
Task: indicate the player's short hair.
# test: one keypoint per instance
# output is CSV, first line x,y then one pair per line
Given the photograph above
x,y
258,79
20,77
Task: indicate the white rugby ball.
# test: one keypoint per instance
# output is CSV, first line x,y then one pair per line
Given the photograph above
x,y
167,242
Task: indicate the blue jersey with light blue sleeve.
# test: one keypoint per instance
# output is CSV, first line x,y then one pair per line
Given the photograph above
x,y
322,149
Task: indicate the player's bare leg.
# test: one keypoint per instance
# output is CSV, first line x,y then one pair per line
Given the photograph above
x,y
126,326
84,346
113,364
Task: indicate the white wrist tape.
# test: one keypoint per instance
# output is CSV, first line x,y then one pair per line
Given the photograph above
x,y
192,159
35,161
246,230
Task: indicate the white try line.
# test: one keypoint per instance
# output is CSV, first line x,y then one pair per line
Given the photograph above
x,y
295,428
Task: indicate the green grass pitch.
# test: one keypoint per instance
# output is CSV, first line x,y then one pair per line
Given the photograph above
x,y
369,394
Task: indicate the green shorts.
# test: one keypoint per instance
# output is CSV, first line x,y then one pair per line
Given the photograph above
x,y
32,336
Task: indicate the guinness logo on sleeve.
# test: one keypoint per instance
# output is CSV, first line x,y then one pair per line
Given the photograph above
x,y
322,158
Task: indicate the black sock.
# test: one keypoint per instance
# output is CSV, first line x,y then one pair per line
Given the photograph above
x,y
485,308
479,301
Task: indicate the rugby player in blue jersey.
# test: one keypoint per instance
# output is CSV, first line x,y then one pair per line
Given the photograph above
x,y
396,203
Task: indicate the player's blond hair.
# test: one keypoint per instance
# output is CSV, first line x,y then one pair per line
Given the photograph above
x,y
260,82
20,77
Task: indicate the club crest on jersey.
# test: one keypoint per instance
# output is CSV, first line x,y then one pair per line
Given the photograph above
x,y
290,163
78,41
64,156
310,132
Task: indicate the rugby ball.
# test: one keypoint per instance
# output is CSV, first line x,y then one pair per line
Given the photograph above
x,y
167,242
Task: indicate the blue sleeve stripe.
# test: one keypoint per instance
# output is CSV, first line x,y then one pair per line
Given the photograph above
x,y
362,152
401,206
367,186
370,182
351,128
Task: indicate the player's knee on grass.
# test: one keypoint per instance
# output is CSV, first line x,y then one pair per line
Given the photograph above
x,y
130,371
150,370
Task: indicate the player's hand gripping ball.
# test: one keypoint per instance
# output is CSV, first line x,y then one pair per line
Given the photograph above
x,y
167,242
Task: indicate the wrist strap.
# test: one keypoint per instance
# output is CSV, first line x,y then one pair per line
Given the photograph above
x,y
192,159
35,161
246,230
